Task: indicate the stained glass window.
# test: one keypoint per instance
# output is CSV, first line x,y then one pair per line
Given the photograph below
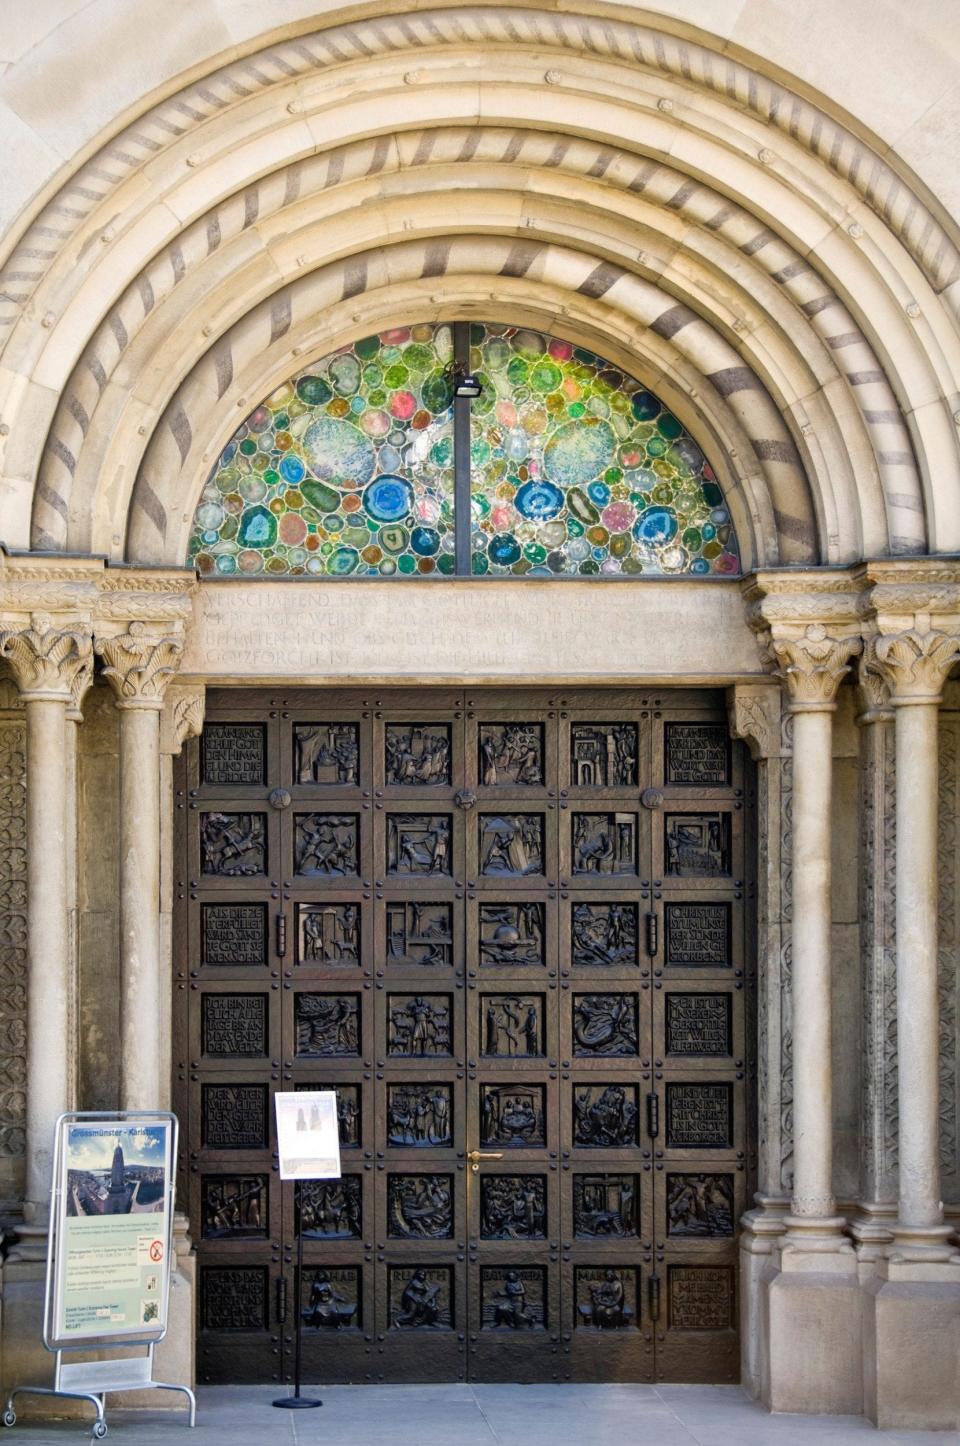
x,y
567,466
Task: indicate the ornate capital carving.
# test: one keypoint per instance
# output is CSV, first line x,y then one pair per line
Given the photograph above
x,y
914,664
808,626
49,659
812,666
754,715
182,716
140,664
874,695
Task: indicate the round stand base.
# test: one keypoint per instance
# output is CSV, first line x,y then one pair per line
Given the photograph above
x,y
297,1403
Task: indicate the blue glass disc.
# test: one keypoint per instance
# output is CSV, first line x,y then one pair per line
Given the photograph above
x,y
538,500
655,525
388,498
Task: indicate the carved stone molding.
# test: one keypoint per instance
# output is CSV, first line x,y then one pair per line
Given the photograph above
x,y
812,667
13,951
873,693
753,711
808,626
914,664
140,663
49,659
182,716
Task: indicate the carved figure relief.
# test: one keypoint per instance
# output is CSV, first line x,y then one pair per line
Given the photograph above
x,y
697,753
234,1206
513,1207
421,1299
233,753
234,1116
329,934
510,753
605,1116
417,754
326,753
606,1205
511,934
697,844
420,1207
698,935
700,1205
419,1115
698,1024
512,1025
699,1116
420,933
233,1298
348,1111
418,843
603,755
700,1297
234,933
511,843
606,1297
604,843
326,844
513,1299
233,1025
419,1024
513,1117
327,1024
333,1299
605,1024
332,1209
603,934
233,844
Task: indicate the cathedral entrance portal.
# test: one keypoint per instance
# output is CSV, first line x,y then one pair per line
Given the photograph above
x,y
510,928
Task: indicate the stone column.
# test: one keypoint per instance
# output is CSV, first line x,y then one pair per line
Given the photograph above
x,y
48,661
139,664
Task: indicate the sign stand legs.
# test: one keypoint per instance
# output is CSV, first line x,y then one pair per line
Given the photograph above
x,y
296,1402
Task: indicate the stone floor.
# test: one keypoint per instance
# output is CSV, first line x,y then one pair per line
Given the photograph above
x,y
479,1416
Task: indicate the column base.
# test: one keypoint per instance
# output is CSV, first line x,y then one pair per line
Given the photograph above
x,y
811,1318
911,1345
761,1233
926,1244
820,1235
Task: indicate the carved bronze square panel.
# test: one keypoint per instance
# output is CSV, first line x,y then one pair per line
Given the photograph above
x,y
512,934
605,1116
421,1297
604,843
349,1114
700,1206
326,844
327,1024
331,1209
419,933
512,1025
699,1116
511,843
604,1024
420,1116
700,1297
417,754
698,935
326,753
233,1298
234,1025
513,1116
419,1025
233,934
234,1117
697,753
513,1298
418,844
331,1298
513,1207
603,755
234,1207
697,845
606,1206
605,1297
234,753
511,754
328,934
603,935
698,1024
420,1207
233,845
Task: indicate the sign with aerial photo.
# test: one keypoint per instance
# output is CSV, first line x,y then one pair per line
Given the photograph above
x,y
308,1134
113,1226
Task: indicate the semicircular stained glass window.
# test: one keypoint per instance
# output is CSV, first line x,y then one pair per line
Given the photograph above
x,y
574,468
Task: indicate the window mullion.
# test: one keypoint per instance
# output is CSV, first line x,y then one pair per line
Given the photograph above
x,y
461,453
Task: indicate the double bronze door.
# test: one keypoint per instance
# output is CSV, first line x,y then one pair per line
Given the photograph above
x,y
510,929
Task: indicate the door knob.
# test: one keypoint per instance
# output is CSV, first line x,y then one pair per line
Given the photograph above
x,y
475,1156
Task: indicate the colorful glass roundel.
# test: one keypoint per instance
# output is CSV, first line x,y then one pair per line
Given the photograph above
x,y
575,469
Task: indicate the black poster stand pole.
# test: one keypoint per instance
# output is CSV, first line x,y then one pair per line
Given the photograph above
x,y
296,1402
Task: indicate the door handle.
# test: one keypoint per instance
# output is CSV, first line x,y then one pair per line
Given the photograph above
x,y
281,1300
475,1156
653,1296
653,1114
281,936
652,932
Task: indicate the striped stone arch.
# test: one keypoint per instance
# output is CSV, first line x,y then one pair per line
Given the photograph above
x,y
727,241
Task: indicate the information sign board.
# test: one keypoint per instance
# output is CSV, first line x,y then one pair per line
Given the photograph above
x,y
308,1135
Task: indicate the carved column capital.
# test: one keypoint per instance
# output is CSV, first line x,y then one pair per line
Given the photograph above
x,y
141,662
49,658
872,692
811,666
753,712
913,664
808,627
912,625
182,716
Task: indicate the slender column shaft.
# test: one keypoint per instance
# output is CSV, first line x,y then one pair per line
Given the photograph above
x,y
141,991
48,953
917,1002
812,1069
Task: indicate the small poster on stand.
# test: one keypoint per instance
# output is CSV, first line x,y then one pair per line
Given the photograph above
x,y
308,1136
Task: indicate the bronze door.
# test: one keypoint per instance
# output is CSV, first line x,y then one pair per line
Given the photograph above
x,y
510,929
